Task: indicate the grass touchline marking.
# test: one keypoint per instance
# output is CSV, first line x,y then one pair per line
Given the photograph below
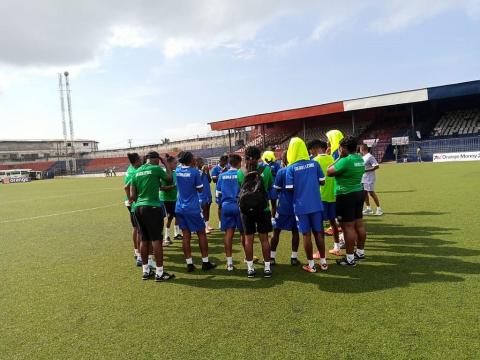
x,y
59,214
69,194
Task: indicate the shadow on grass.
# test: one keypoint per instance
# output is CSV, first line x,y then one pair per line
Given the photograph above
x,y
395,191
418,213
408,255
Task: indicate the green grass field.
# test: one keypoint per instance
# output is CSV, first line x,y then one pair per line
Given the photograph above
x,y
69,288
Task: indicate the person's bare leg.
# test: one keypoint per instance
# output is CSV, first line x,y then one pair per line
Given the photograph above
x,y
375,198
350,236
144,249
320,242
275,239
158,252
203,242
135,239
187,249
248,247
227,241
307,245
361,234
336,233
265,247
367,200
295,241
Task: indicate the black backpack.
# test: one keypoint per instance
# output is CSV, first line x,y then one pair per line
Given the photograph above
x,y
252,198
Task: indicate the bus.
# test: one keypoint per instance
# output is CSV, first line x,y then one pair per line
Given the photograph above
x,y
20,175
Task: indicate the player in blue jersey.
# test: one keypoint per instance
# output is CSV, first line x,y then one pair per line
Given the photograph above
x,y
188,211
227,191
284,217
216,171
205,197
304,177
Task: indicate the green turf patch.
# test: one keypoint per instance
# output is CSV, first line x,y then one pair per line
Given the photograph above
x,y
69,287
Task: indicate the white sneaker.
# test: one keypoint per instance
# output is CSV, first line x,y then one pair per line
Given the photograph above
x,y
367,212
379,212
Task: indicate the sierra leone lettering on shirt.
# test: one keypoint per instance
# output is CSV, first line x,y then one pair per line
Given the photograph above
x,y
143,173
304,178
228,187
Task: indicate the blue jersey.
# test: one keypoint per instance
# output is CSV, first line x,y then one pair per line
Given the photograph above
x,y
217,170
206,194
274,167
188,182
285,197
228,187
304,178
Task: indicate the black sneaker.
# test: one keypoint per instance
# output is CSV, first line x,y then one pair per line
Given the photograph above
x,y
345,262
294,262
267,273
251,273
178,237
359,257
190,268
165,276
146,275
272,261
208,266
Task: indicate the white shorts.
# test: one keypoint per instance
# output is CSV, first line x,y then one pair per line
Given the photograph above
x,y
369,186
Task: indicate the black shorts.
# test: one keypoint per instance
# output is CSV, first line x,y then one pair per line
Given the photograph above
x,y
261,223
170,208
150,222
132,217
350,206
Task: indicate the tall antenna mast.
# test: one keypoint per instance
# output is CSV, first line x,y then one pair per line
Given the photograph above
x,y
69,105
64,123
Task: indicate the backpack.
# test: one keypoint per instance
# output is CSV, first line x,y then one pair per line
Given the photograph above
x,y
252,198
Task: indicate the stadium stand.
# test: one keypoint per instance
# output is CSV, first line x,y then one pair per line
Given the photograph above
x,y
458,123
99,165
36,166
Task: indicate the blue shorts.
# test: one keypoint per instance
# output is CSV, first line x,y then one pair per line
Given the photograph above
x,y
192,222
273,194
285,222
329,210
310,222
230,217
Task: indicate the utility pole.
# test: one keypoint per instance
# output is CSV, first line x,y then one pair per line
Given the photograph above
x,y
64,123
130,143
72,138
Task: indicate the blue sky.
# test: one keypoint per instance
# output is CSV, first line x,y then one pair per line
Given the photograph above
x,y
147,72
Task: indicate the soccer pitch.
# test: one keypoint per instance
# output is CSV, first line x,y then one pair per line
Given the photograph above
x,y
69,287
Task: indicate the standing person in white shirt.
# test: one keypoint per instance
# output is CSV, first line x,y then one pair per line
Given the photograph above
x,y
368,181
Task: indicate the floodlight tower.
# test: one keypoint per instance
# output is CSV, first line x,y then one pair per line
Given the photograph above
x,y
69,105
64,123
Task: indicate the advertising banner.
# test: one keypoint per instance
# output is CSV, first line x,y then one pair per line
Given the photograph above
x,y
457,156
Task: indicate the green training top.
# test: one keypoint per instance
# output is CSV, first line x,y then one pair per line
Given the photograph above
x,y
170,195
327,190
349,170
147,182
266,175
128,177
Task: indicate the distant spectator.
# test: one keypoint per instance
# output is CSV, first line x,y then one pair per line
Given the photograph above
x,y
419,154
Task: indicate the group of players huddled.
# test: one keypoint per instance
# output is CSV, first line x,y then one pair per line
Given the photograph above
x,y
254,194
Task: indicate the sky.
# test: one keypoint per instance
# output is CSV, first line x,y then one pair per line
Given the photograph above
x,y
148,70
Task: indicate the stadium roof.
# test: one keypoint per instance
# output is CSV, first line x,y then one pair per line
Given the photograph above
x,y
403,97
